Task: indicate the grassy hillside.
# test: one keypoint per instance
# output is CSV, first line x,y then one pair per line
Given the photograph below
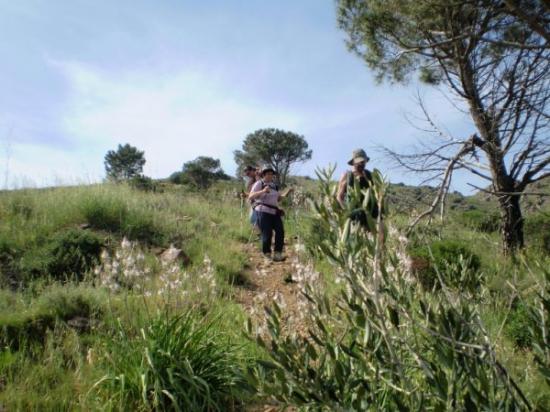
x,y
97,311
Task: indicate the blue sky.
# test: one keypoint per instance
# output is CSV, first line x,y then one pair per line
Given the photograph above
x,y
179,79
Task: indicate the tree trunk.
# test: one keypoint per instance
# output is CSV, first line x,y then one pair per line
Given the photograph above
x,y
512,223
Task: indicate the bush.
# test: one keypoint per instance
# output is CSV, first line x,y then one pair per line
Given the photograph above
x,y
22,205
179,363
537,231
8,264
519,324
114,216
382,343
70,253
143,183
456,264
105,214
484,221
56,304
141,226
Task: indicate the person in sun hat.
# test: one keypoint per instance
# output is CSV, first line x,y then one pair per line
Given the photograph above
x,y
358,177
265,196
252,175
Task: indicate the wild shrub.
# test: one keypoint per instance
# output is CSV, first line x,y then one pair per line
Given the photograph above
x,y
539,328
143,183
21,205
457,265
519,324
56,304
484,221
67,254
115,216
141,225
104,213
383,343
537,231
315,234
8,263
172,363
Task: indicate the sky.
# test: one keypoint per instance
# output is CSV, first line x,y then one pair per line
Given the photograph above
x,y
180,79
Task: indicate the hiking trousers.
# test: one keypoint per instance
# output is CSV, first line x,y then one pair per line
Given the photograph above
x,y
268,224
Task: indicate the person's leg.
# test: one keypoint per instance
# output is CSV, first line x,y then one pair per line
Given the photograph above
x,y
255,224
266,226
279,233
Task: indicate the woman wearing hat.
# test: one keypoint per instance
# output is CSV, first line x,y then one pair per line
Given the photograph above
x,y
361,177
265,196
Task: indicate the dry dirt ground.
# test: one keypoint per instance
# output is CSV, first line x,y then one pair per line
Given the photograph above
x,y
272,281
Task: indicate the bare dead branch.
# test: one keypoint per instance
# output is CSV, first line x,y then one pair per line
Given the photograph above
x,y
523,193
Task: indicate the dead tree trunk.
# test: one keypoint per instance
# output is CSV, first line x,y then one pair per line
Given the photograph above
x,y
512,223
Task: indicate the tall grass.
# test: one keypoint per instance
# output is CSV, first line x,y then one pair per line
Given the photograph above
x,y
162,345
54,334
181,363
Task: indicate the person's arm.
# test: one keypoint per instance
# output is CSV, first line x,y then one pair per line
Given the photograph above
x,y
286,192
257,191
342,187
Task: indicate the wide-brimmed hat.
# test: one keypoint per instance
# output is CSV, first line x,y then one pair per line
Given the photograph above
x,y
266,169
358,156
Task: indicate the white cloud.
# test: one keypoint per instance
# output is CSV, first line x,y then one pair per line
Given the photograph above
x,y
174,117
29,165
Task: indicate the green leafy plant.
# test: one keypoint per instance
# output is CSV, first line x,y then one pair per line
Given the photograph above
x,y
56,304
67,254
519,324
384,342
483,221
537,231
539,328
105,213
143,183
115,216
447,260
177,363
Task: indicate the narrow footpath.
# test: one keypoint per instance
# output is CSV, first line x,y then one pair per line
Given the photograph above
x,y
279,282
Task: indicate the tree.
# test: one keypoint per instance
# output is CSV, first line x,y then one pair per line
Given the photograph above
x,y
124,163
493,61
201,172
534,13
276,148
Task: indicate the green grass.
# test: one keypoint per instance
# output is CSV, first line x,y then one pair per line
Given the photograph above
x,y
47,364
27,320
173,362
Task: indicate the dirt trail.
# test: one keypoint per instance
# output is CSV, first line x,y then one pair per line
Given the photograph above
x,y
272,281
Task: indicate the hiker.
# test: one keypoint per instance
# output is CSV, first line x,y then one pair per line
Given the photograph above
x,y
252,175
265,196
360,177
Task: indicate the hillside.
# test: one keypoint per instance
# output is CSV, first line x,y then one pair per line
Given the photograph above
x,y
109,292
530,203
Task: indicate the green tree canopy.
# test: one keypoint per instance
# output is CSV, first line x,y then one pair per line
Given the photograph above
x,y
273,147
124,163
201,172
495,59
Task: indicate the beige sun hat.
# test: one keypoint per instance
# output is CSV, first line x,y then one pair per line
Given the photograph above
x,y
266,169
358,155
